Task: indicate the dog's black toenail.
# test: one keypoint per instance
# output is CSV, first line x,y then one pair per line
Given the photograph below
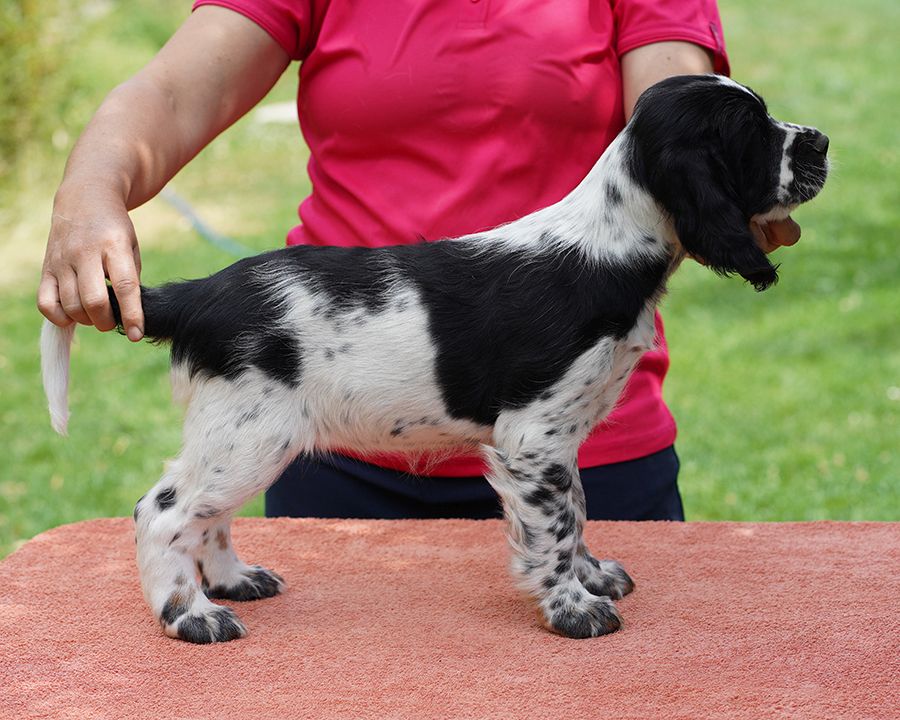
x,y
227,627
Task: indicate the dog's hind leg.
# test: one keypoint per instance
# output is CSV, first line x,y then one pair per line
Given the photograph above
x,y
534,469
237,439
223,575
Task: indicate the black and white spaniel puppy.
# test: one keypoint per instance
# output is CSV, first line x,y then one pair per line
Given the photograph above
x,y
516,342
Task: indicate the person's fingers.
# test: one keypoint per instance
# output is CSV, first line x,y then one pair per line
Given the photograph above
x,y
49,303
69,297
124,277
91,239
94,297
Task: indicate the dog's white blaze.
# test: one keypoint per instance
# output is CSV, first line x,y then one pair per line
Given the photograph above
x,y
786,173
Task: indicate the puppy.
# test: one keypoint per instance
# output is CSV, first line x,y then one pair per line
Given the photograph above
x,y
516,341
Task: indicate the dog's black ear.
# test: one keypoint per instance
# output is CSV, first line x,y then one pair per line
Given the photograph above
x,y
709,221
711,225
680,143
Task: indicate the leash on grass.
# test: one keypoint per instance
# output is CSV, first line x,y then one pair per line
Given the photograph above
x,y
222,242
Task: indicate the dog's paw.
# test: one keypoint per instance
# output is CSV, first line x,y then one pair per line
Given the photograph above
x,y
251,583
588,616
603,577
206,624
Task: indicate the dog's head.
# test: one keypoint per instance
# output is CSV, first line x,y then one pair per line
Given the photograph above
x,y
708,151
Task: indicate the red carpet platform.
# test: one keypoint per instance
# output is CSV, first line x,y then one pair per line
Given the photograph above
x,y
417,619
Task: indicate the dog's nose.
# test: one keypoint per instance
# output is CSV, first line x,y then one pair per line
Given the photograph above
x,y
820,143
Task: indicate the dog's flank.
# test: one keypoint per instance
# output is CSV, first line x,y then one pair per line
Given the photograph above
x,y
517,341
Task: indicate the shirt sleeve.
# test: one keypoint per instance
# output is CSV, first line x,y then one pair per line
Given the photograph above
x,y
642,22
287,21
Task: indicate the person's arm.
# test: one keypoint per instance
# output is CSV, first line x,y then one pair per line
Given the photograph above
x,y
646,65
215,68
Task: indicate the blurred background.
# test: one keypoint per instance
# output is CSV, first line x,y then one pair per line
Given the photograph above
x,y
788,402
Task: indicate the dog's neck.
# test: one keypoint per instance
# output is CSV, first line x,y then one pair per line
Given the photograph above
x,y
607,218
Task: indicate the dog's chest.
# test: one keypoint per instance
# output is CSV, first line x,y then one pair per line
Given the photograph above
x,y
594,384
597,365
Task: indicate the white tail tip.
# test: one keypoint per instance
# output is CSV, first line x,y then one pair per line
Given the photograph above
x,y
56,344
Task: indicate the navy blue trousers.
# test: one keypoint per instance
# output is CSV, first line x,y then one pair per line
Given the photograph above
x,y
342,487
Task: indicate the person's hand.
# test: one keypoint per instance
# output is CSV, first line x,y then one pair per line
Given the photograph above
x,y
773,235
216,67
91,239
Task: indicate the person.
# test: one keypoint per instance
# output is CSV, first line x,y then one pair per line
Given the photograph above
x,y
437,119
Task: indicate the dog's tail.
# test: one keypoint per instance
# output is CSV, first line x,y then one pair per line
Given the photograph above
x,y
162,307
56,344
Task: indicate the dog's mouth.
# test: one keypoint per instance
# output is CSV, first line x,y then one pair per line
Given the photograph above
x,y
810,166
809,181
776,213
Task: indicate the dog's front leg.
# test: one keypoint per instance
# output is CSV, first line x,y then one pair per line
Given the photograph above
x,y
600,577
544,506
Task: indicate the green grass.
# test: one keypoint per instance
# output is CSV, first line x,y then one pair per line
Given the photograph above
x,y
787,401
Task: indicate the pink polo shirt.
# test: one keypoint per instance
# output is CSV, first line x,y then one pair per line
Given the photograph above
x,y
439,118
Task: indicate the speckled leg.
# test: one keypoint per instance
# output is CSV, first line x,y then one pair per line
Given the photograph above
x,y
224,576
540,491
233,449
